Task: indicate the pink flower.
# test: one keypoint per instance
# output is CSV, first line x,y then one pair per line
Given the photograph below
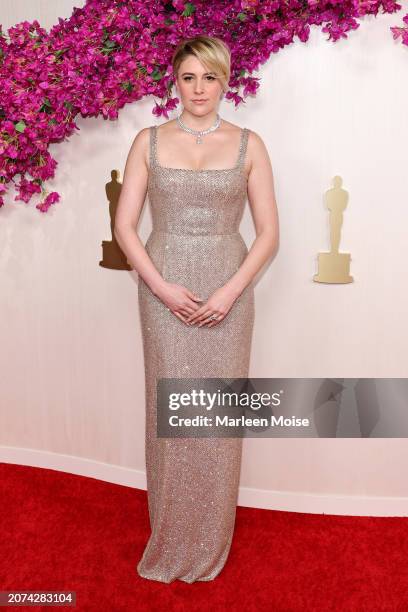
x,y
109,54
50,199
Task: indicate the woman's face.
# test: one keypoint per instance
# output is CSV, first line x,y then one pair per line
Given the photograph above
x,y
197,82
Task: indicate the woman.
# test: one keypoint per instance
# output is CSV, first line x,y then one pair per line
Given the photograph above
x,y
195,299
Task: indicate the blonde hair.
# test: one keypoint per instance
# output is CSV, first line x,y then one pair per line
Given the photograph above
x,y
212,52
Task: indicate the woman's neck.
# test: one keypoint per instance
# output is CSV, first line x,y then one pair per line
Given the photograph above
x,y
198,123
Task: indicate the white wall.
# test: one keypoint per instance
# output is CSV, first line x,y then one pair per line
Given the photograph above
x,y
72,390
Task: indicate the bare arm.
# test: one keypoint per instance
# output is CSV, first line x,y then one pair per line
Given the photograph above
x,y
131,200
179,299
261,198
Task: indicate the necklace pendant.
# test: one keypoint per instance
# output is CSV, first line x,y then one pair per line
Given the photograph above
x,y
199,133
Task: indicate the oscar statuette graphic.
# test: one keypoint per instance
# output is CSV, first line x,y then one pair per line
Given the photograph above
x,y
334,267
113,256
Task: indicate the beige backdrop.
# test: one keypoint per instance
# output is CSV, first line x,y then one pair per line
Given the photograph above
x,y
72,381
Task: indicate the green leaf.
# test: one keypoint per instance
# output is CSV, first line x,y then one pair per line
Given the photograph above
x,y
20,126
127,85
60,52
46,106
189,9
156,75
242,16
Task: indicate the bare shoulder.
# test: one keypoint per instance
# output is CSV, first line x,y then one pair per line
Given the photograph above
x,y
257,151
141,140
139,149
230,127
255,142
168,125
142,137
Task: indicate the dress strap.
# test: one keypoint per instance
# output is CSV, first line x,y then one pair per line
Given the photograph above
x,y
153,145
243,147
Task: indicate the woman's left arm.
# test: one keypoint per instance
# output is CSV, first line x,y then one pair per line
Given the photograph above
x,y
261,198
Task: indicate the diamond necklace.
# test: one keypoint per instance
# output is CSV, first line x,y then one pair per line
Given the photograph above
x,y
199,133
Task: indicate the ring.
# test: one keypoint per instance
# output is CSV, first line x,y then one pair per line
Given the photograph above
x,y
213,318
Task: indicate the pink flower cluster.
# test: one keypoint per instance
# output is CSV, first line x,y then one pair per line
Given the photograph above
x,y
111,53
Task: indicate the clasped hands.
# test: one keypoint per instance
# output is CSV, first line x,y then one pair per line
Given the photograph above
x,y
184,304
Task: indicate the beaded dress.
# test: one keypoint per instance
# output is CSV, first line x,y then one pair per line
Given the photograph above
x,y
192,483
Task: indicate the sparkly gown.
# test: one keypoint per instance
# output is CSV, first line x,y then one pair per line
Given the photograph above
x,y
193,483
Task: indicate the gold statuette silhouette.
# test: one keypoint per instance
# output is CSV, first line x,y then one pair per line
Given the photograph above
x,y
113,256
334,267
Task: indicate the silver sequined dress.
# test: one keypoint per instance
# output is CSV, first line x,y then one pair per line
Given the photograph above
x,y
193,482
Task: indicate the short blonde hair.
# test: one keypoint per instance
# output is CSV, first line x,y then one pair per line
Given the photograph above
x,y
212,52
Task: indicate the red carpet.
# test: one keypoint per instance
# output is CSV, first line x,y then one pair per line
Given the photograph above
x,y
66,532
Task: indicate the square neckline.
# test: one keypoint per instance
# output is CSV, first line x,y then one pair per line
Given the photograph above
x,y
238,164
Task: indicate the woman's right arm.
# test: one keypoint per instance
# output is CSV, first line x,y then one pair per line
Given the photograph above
x,y
179,299
131,201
